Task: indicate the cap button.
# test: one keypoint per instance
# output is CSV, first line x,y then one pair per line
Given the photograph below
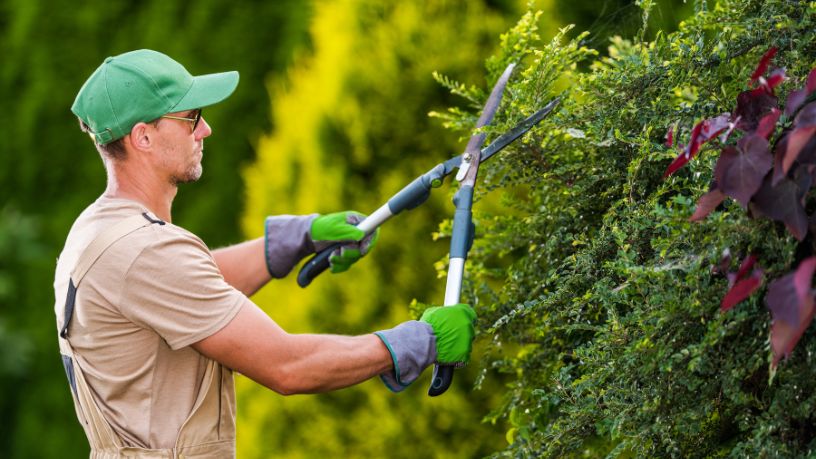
x,y
108,59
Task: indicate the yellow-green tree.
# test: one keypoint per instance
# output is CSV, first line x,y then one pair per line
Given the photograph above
x,y
351,128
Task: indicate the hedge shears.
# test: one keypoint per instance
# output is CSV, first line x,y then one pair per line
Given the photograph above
x,y
418,191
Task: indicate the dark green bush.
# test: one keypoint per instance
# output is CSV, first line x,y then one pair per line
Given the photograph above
x,y
595,292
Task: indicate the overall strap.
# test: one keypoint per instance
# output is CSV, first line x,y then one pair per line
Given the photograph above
x,y
92,253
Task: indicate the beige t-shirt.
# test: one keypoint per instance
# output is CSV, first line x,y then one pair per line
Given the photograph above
x,y
149,297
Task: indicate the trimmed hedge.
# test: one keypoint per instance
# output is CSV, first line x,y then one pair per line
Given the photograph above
x,y
598,298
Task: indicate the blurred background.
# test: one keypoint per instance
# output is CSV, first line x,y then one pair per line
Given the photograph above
x,y
331,113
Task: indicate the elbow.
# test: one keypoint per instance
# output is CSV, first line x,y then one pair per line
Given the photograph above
x,y
285,382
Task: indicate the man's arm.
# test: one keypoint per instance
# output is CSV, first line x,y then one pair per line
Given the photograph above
x,y
254,345
244,265
287,240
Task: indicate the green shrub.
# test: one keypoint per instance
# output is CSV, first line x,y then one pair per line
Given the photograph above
x,y
595,292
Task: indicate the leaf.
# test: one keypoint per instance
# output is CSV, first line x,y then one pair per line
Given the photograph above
x,y
706,204
782,202
785,337
731,126
725,260
795,100
790,300
740,284
678,162
768,123
746,265
741,290
740,170
774,79
796,141
763,64
807,116
779,155
706,130
810,86
751,106
670,136
701,133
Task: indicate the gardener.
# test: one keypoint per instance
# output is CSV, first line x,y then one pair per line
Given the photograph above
x,y
152,323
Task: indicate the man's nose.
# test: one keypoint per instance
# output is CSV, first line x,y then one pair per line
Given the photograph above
x,y
203,129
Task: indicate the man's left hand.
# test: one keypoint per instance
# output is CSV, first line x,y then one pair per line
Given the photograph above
x,y
341,228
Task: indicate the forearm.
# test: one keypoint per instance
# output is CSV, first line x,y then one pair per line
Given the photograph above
x,y
250,265
257,347
321,363
244,265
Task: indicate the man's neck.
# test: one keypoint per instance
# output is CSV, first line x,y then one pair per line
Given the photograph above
x,y
149,191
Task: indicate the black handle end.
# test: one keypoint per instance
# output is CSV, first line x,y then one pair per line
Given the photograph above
x,y
316,265
442,379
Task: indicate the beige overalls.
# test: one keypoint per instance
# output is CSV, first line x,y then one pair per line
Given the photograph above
x,y
209,431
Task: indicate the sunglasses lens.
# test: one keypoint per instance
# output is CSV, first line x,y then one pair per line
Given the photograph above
x,y
197,119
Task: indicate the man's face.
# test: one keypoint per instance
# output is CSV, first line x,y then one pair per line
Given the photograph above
x,y
182,146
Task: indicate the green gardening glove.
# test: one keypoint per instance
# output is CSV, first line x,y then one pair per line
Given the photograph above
x,y
453,328
341,228
442,335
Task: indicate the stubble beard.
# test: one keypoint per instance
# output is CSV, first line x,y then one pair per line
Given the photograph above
x,y
191,175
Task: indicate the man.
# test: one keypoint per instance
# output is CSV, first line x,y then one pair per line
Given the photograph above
x,y
151,323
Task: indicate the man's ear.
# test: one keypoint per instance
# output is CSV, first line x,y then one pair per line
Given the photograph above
x,y
141,137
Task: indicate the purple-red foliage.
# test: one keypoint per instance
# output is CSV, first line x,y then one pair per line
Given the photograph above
x,y
790,300
701,133
742,284
771,175
740,169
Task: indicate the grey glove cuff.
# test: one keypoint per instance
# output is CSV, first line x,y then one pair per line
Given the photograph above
x,y
412,346
286,241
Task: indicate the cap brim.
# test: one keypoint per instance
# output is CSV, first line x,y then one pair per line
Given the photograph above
x,y
208,90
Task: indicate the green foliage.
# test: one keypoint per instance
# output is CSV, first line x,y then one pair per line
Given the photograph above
x,y
351,130
594,290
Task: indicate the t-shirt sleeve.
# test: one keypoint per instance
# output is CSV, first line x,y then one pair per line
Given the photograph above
x,y
175,288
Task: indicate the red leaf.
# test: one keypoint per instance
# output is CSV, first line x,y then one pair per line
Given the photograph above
x,y
725,135
746,265
670,136
779,155
803,278
807,116
707,203
706,130
741,290
751,106
763,64
774,79
811,81
725,261
678,162
796,140
790,300
785,337
694,143
768,123
782,202
740,171
795,100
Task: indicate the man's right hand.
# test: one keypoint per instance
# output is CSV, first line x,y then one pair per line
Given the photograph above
x,y
442,335
453,328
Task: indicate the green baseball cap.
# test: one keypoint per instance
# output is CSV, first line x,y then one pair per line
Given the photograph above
x,y
140,86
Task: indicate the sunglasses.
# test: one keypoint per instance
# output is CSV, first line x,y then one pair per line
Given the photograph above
x,y
193,120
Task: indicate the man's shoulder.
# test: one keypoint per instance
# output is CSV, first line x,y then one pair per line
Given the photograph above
x,y
165,238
